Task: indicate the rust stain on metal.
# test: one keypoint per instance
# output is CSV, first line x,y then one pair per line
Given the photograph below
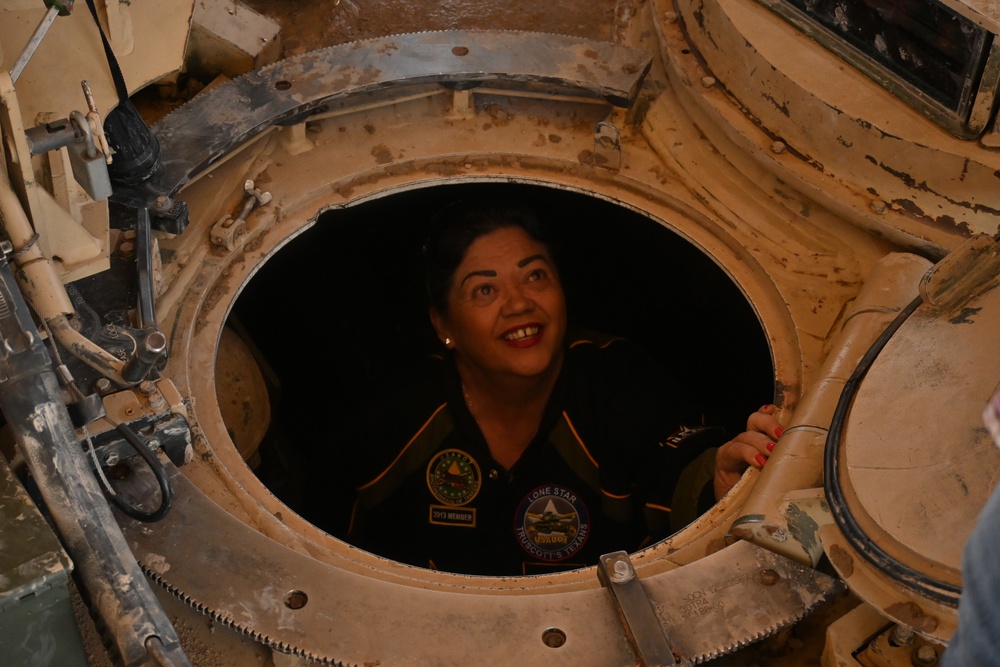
x,y
912,615
781,107
842,561
382,154
910,182
963,317
942,222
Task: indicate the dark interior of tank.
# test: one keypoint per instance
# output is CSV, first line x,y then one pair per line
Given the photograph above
x,y
345,299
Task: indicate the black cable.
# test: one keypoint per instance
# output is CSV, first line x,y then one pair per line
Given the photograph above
x,y
166,494
874,554
136,149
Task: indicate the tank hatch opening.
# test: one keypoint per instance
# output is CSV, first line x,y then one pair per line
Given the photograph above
x,y
346,300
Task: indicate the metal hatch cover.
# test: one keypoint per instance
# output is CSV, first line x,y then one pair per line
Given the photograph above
x,y
303,606
924,480
914,463
204,130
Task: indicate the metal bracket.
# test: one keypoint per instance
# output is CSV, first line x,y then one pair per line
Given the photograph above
x,y
643,629
229,232
607,146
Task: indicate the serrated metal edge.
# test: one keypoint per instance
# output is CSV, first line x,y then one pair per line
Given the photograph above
x,y
764,633
229,622
283,647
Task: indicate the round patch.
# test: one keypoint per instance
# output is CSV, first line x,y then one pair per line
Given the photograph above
x,y
552,523
453,477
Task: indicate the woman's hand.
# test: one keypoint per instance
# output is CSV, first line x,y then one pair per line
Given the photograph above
x,y
750,448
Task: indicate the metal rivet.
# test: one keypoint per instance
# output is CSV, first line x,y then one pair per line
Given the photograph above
x,y
708,81
778,147
670,17
493,474
879,206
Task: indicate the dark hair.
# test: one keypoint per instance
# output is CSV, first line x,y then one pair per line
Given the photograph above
x,y
456,227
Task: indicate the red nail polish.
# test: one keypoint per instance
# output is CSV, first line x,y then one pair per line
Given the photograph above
x,y
761,460
770,446
778,431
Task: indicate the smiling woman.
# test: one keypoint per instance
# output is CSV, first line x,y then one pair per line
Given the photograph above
x,y
522,449
525,442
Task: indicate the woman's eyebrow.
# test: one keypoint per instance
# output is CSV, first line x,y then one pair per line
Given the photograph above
x,y
489,273
528,260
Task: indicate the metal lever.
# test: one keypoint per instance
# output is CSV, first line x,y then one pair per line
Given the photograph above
x,y
642,628
153,346
56,8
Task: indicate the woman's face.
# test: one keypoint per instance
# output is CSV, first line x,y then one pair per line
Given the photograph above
x,y
506,310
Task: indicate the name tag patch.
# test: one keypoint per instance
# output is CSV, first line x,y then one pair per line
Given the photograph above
x,y
453,516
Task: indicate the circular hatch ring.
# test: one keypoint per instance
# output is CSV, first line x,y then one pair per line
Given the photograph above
x,y
203,282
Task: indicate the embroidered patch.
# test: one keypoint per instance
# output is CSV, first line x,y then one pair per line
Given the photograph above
x,y
453,477
552,523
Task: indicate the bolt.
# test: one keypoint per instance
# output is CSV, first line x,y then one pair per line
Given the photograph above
x,y
778,147
925,655
901,636
878,206
146,387
153,443
163,202
622,571
111,459
708,81
103,385
157,402
254,197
